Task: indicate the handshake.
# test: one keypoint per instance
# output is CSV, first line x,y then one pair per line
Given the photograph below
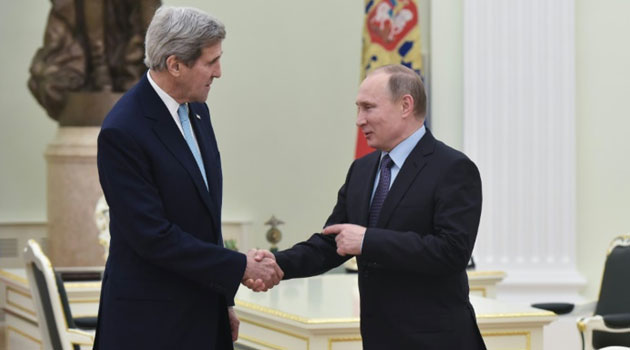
x,y
262,272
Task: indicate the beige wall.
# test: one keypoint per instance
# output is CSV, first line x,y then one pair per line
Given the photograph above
x,y
24,127
603,124
284,109
447,71
284,113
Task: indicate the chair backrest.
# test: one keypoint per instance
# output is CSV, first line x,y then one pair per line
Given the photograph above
x,y
48,304
614,295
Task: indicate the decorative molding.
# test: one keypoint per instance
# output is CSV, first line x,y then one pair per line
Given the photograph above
x,y
526,334
298,337
519,128
354,339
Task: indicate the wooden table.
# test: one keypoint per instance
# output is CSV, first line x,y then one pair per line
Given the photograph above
x,y
297,314
323,313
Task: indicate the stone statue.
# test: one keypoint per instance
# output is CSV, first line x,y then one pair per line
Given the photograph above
x,y
101,217
90,46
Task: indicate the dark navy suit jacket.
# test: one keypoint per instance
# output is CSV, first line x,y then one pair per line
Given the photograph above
x,y
168,280
412,270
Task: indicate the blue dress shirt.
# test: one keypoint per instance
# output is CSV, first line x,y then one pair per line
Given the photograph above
x,y
399,155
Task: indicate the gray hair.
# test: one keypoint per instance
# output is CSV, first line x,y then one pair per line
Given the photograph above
x,y
403,81
180,31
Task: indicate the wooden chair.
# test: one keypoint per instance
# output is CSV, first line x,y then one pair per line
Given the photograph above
x,y
55,325
609,326
610,323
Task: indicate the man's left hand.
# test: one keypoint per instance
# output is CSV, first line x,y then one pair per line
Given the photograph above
x,y
349,238
234,323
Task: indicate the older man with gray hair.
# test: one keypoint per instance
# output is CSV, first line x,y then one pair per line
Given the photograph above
x,y
169,283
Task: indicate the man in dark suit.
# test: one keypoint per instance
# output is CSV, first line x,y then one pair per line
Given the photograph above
x,y
409,212
169,283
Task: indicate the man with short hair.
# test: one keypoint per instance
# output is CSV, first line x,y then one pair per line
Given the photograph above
x,y
169,283
409,212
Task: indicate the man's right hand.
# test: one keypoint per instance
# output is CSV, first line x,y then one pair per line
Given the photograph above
x,y
262,272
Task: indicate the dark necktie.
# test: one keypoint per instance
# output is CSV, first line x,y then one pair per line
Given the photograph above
x,y
381,190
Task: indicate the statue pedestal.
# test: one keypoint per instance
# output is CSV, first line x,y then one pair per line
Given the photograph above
x,y
73,190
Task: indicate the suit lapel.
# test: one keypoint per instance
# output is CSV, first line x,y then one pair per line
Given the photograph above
x,y
167,131
415,162
365,189
210,155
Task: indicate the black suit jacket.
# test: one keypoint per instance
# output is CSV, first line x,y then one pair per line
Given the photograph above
x,y
168,280
412,270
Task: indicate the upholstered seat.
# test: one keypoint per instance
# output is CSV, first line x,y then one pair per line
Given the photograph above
x,y
86,323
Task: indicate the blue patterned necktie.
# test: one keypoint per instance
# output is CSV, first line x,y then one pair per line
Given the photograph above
x,y
381,190
182,111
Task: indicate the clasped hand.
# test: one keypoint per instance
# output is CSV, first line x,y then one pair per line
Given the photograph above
x,y
262,272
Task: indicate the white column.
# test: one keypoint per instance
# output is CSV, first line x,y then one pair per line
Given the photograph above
x,y
519,127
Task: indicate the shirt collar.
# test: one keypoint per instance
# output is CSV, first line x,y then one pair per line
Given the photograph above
x,y
400,153
170,102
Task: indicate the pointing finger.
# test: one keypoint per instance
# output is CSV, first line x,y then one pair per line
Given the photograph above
x,y
332,229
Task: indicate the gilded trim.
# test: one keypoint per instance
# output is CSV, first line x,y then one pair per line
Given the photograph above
x,y
21,317
81,344
479,289
14,278
486,273
305,320
342,340
279,330
82,285
81,333
19,332
518,314
622,241
83,301
293,317
22,293
528,336
19,307
260,342
581,325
